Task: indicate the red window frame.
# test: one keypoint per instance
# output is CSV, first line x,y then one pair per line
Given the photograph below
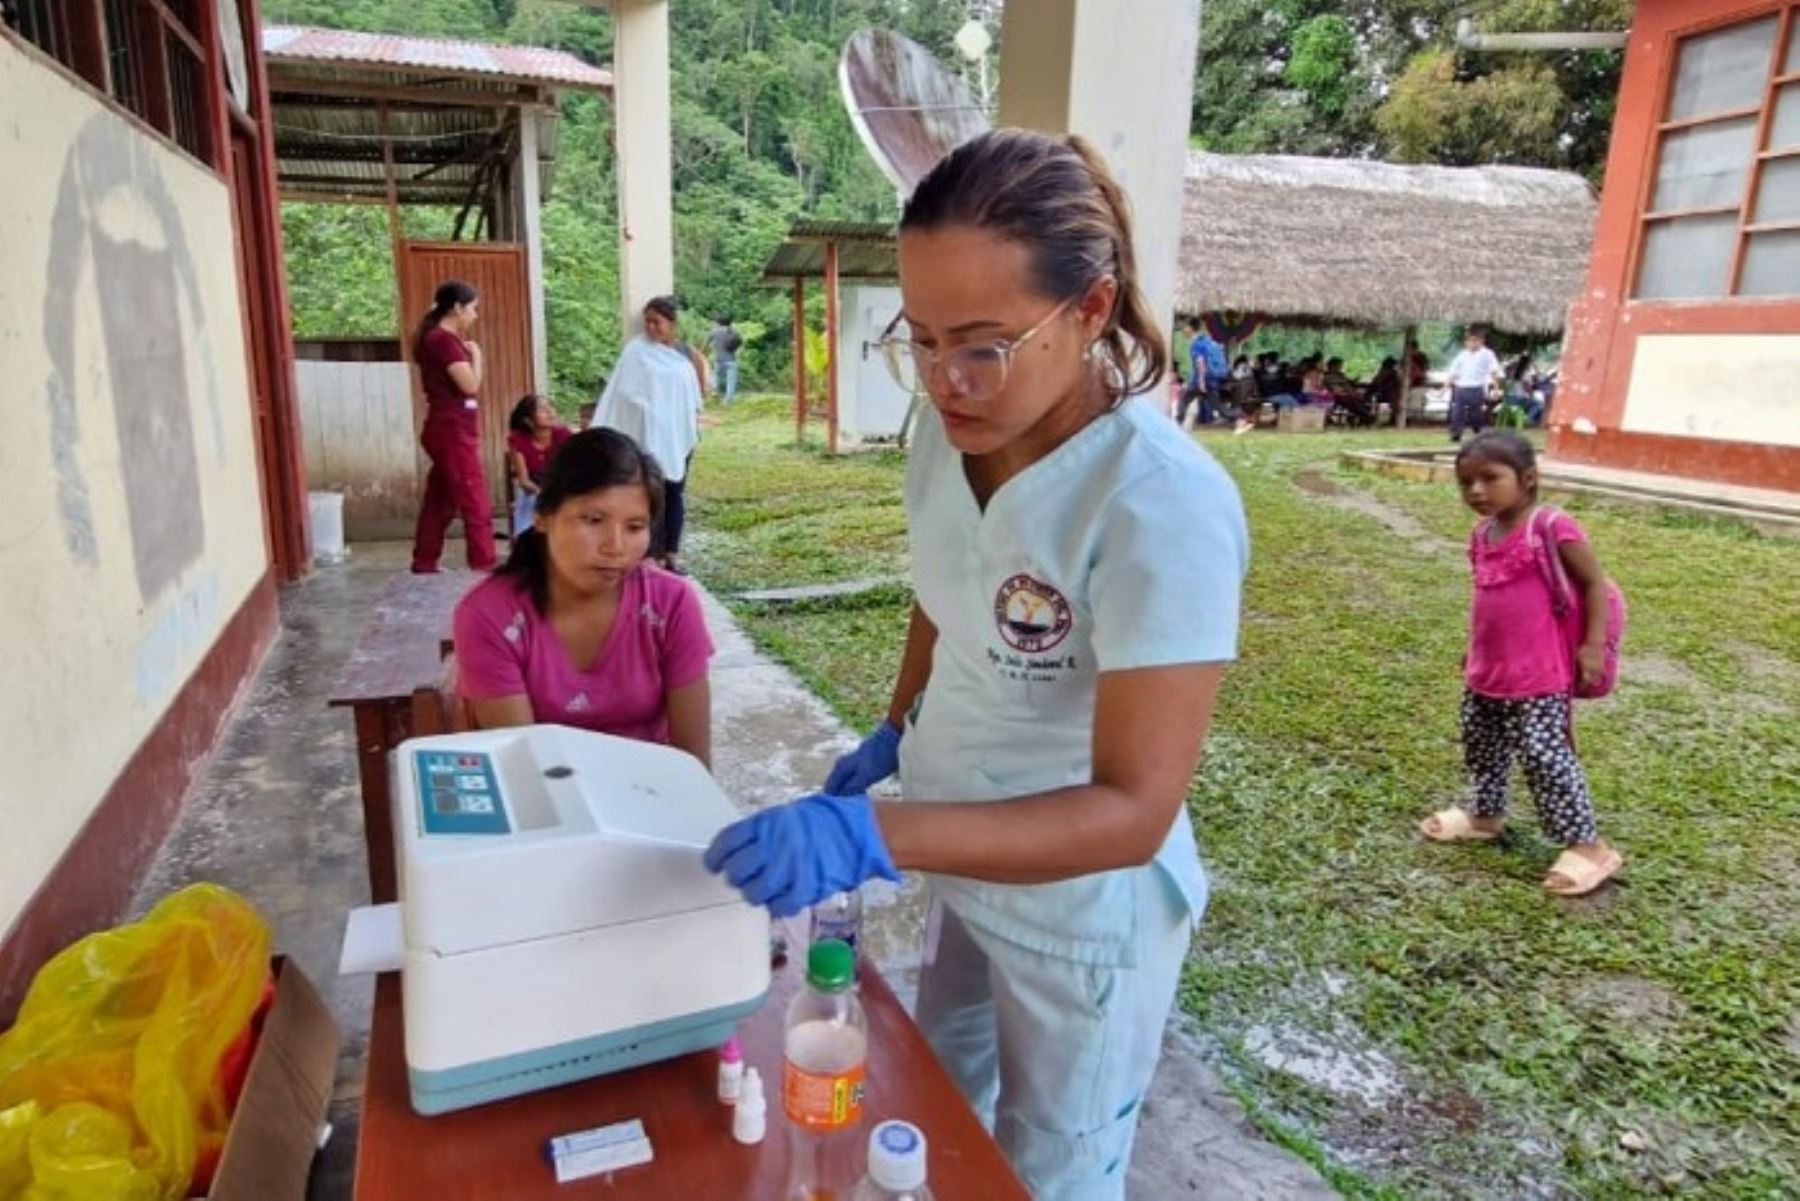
x,y
1787,30
148,57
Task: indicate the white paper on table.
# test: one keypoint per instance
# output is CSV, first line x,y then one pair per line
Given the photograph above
x,y
373,941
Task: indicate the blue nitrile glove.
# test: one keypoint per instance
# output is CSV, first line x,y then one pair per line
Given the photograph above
x,y
793,856
875,759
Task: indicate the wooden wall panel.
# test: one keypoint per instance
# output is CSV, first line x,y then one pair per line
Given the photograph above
x,y
497,270
361,441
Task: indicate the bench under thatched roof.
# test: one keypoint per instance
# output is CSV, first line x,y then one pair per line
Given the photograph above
x,y
1351,242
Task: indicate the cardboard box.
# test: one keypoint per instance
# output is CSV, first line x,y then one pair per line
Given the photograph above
x,y
1301,419
275,1132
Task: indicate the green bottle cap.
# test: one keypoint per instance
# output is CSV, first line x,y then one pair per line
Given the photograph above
x,y
830,965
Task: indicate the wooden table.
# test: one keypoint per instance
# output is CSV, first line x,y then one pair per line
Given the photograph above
x,y
495,1152
400,652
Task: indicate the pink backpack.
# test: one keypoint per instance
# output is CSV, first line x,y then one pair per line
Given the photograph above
x,y
1571,608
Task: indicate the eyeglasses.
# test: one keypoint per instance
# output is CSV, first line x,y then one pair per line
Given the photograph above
x,y
975,371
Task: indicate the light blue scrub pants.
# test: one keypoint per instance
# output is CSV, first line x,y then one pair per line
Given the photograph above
x,y
1056,1056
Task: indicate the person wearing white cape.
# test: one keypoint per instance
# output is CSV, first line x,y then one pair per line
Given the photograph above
x,y
653,398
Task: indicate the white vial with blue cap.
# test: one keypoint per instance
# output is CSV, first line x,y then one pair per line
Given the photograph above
x,y
896,1165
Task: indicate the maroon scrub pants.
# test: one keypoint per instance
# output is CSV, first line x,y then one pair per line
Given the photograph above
x,y
454,487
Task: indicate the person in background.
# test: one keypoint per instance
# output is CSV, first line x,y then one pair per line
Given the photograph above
x,y
1542,386
1313,389
1241,392
653,397
1268,372
450,372
1336,382
1418,369
1519,681
725,342
578,628
1472,372
1209,367
1385,389
1418,381
532,435
1280,385
1194,394
1077,563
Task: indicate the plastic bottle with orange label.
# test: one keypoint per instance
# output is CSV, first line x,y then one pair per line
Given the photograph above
x,y
826,1050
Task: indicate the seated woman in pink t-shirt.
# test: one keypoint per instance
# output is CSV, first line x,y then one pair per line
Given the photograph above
x,y
577,628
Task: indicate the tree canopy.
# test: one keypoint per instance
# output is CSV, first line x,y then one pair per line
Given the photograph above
x,y
760,136
1382,78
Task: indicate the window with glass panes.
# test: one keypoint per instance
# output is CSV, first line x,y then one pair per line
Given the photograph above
x,y
1723,213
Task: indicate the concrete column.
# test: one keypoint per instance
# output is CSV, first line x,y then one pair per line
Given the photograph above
x,y
1126,84
527,207
641,146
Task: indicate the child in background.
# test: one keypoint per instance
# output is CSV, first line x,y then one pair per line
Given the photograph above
x,y
532,436
1519,681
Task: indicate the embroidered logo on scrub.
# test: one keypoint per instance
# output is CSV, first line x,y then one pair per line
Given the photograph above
x,y
1033,617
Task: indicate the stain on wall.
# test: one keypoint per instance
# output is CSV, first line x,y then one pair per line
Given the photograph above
x,y
116,228
134,530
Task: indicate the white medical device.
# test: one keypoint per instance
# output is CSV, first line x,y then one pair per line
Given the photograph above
x,y
558,921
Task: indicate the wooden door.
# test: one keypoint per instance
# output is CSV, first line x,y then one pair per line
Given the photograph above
x,y
497,272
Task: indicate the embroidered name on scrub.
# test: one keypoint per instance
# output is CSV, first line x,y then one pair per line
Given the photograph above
x,y
1033,618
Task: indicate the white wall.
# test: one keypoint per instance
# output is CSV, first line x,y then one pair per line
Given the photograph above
x,y
357,419
1727,387
870,403
134,516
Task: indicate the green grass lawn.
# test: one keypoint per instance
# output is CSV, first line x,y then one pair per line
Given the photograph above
x,y
1424,1019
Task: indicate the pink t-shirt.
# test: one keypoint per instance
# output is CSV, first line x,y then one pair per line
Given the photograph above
x,y
1517,648
537,458
658,642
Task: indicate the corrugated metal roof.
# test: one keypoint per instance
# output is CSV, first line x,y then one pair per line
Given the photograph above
x,y
335,152
524,64
842,231
866,251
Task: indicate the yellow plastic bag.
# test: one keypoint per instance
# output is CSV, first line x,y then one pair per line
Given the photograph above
x,y
15,1144
109,1080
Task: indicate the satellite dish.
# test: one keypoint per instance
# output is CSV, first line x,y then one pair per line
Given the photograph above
x,y
909,111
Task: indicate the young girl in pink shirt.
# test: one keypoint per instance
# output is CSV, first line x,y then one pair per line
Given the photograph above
x,y
577,628
1519,679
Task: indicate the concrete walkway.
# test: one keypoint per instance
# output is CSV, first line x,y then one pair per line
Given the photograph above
x,y
1769,511
275,815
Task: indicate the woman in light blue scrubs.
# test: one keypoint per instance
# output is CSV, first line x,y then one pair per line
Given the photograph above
x,y
1077,562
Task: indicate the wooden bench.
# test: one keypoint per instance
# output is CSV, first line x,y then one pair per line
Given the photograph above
x,y
391,683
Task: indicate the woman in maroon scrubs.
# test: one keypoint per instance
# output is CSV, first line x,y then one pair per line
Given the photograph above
x,y
450,373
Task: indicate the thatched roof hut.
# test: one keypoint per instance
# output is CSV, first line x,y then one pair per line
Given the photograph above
x,y
1362,243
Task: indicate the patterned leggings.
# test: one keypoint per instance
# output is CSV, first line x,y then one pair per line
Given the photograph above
x,y
1536,730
